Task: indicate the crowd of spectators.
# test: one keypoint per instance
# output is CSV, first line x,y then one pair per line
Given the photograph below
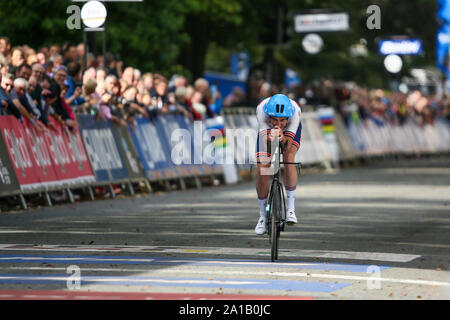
x,y
391,107
350,99
53,81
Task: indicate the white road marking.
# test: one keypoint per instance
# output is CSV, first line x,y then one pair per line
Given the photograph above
x,y
371,256
99,279
234,273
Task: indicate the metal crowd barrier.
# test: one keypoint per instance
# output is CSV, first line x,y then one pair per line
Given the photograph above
x,y
326,140
99,154
105,154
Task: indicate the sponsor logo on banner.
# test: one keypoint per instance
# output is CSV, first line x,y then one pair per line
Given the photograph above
x,y
321,22
44,159
102,149
148,147
401,47
128,152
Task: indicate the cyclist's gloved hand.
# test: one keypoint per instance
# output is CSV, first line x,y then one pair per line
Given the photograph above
x,y
275,132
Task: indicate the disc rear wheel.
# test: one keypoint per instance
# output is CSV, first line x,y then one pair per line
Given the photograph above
x,y
275,224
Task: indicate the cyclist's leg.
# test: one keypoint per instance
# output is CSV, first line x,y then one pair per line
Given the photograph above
x,y
290,174
263,162
262,184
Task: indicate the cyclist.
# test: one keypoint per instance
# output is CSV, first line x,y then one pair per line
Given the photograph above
x,y
278,116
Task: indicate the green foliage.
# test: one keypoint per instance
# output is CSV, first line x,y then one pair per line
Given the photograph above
x,y
171,36
35,22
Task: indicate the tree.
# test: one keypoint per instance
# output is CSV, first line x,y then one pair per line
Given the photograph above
x,y
174,36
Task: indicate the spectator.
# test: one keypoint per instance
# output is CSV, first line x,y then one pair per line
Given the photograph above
x,y
112,98
53,100
24,71
181,100
7,82
110,82
110,111
201,85
80,50
197,105
32,59
4,67
66,106
235,99
60,75
89,74
111,64
147,78
5,47
131,105
4,95
101,75
128,75
16,98
30,104
57,60
17,59
91,106
73,95
177,82
42,59
136,76
159,92
70,54
37,71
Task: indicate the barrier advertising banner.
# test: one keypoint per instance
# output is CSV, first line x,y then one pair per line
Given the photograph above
x,y
165,125
16,142
102,149
44,160
148,146
8,180
67,153
128,152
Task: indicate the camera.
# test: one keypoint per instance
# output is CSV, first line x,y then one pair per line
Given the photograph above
x,y
122,100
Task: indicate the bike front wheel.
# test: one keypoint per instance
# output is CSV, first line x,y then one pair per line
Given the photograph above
x,y
275,223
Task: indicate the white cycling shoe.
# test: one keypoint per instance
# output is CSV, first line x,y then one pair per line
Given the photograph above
x,y
261,227
291,218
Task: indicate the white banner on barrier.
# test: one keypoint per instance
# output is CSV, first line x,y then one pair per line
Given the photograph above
x,y
323,142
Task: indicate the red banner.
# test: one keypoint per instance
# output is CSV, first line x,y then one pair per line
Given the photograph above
x,y
45,159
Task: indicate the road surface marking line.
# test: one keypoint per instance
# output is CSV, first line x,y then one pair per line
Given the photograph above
x,y
376,256
233,273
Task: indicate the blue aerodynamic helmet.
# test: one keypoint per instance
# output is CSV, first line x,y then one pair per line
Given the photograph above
x,y
279,106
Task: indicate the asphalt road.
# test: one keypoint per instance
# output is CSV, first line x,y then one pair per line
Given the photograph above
x,y
375,232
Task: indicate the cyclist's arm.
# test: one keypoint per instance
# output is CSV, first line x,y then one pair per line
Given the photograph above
x,y
293,123
263,120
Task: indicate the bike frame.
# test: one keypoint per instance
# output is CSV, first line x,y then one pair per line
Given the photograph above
x,y
276,224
